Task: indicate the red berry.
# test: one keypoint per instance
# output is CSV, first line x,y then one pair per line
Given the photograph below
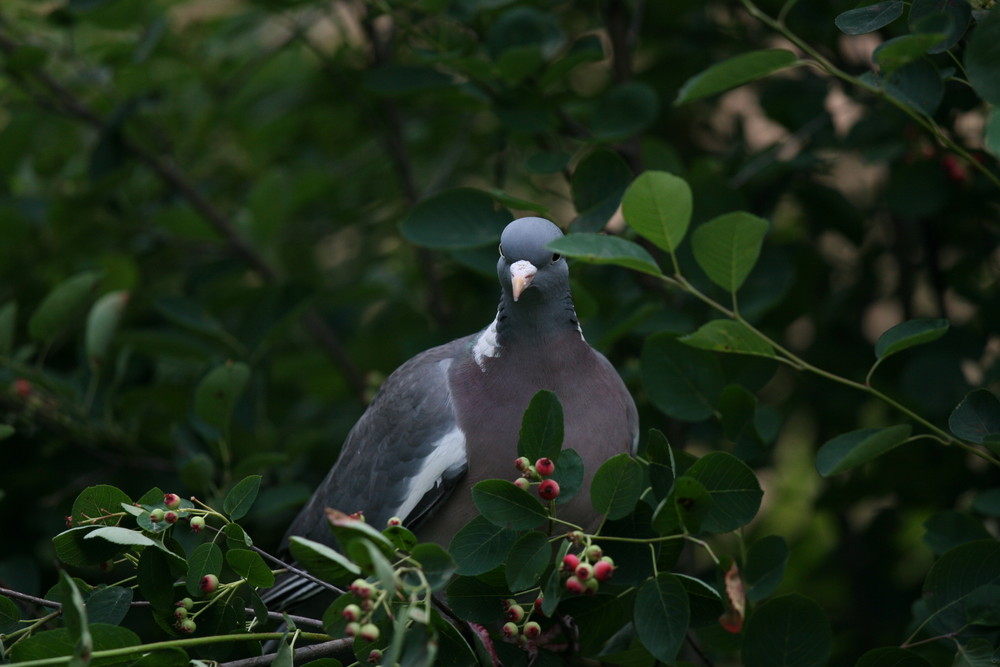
x,y
197,524
209,583
515,613
522,483
538,602
549,489
574,585
394,521
570,561
584,571
23,388
187,626
510,629
170,517
532,629
361,588
545,467
369,632
358,516
603,570
352,612
172,500
522,463
156,515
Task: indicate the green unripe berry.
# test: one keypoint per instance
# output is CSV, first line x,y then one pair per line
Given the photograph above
x,y
369,632
352,612
510,629
187,626
594,552
156,515
532,630
197,524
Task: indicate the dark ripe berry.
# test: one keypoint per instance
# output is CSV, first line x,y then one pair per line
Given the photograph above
x,y
187,626
522,463
170,517
549,489
352,629
593,552
69,521
538,603
352,612
156,515
545,467
510,629
574,585
369,632
172,500
570,561
394,521
522,483
532,630
603,570
209,583
197,524
514,613
584,571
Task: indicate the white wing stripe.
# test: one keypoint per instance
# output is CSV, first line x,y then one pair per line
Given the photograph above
x,y
448,455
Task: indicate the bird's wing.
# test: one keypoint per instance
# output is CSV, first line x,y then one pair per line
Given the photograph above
x,y
403,457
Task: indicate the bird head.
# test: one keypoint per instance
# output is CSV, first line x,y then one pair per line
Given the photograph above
x,y
526,268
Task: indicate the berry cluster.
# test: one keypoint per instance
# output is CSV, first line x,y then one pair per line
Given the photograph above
x,y
358,615
519,627
537,474
174,512
183,621
589,568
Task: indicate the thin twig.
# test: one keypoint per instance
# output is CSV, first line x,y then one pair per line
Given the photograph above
x,y
301,654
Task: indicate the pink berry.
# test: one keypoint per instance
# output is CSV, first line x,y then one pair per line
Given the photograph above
x,y
538,603
515,613
172,500
197,524
510,629
532,630
522,483
603,570
394,521
584,571
170,517
361,588
549,489
209,583
575,585
375,657
570,562
522,463
369,632
545,467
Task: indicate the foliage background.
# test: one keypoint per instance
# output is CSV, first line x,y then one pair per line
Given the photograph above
x,y
242,170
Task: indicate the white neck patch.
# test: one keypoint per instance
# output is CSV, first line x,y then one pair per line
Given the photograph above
x,y
486,346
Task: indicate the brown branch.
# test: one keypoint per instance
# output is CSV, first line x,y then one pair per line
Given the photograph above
x,y
301,654
166,169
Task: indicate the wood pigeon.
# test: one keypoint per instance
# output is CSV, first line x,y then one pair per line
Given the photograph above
x,y
449,417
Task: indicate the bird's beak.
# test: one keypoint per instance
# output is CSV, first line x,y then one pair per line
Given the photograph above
x,y
521,275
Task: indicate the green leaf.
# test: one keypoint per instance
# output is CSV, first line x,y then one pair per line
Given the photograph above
x,y
8,326
899,51
661,616
917,85
734,72
658,206
569,475
705,602
787,631
10,616
661,463
95,502
74,614
394,79
954,579
982,57
728,336
988,502
909,334
240,498
6,430
687,505
217,393
948,529
119,535
152,576
624,110
475,600
507,505
765,566
735,491
323,562
455,219
616,487
72,548
60,643
891,656
956,17
977,417
727,247
527,560
205,559
436,564
109,605
598,183
250,566
62,307
481,546
976,652
541,431
602,249
102,324
869,19
683,382
849,450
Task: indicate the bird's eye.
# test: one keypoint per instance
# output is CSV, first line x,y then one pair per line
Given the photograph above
x,y
500,248
556,257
